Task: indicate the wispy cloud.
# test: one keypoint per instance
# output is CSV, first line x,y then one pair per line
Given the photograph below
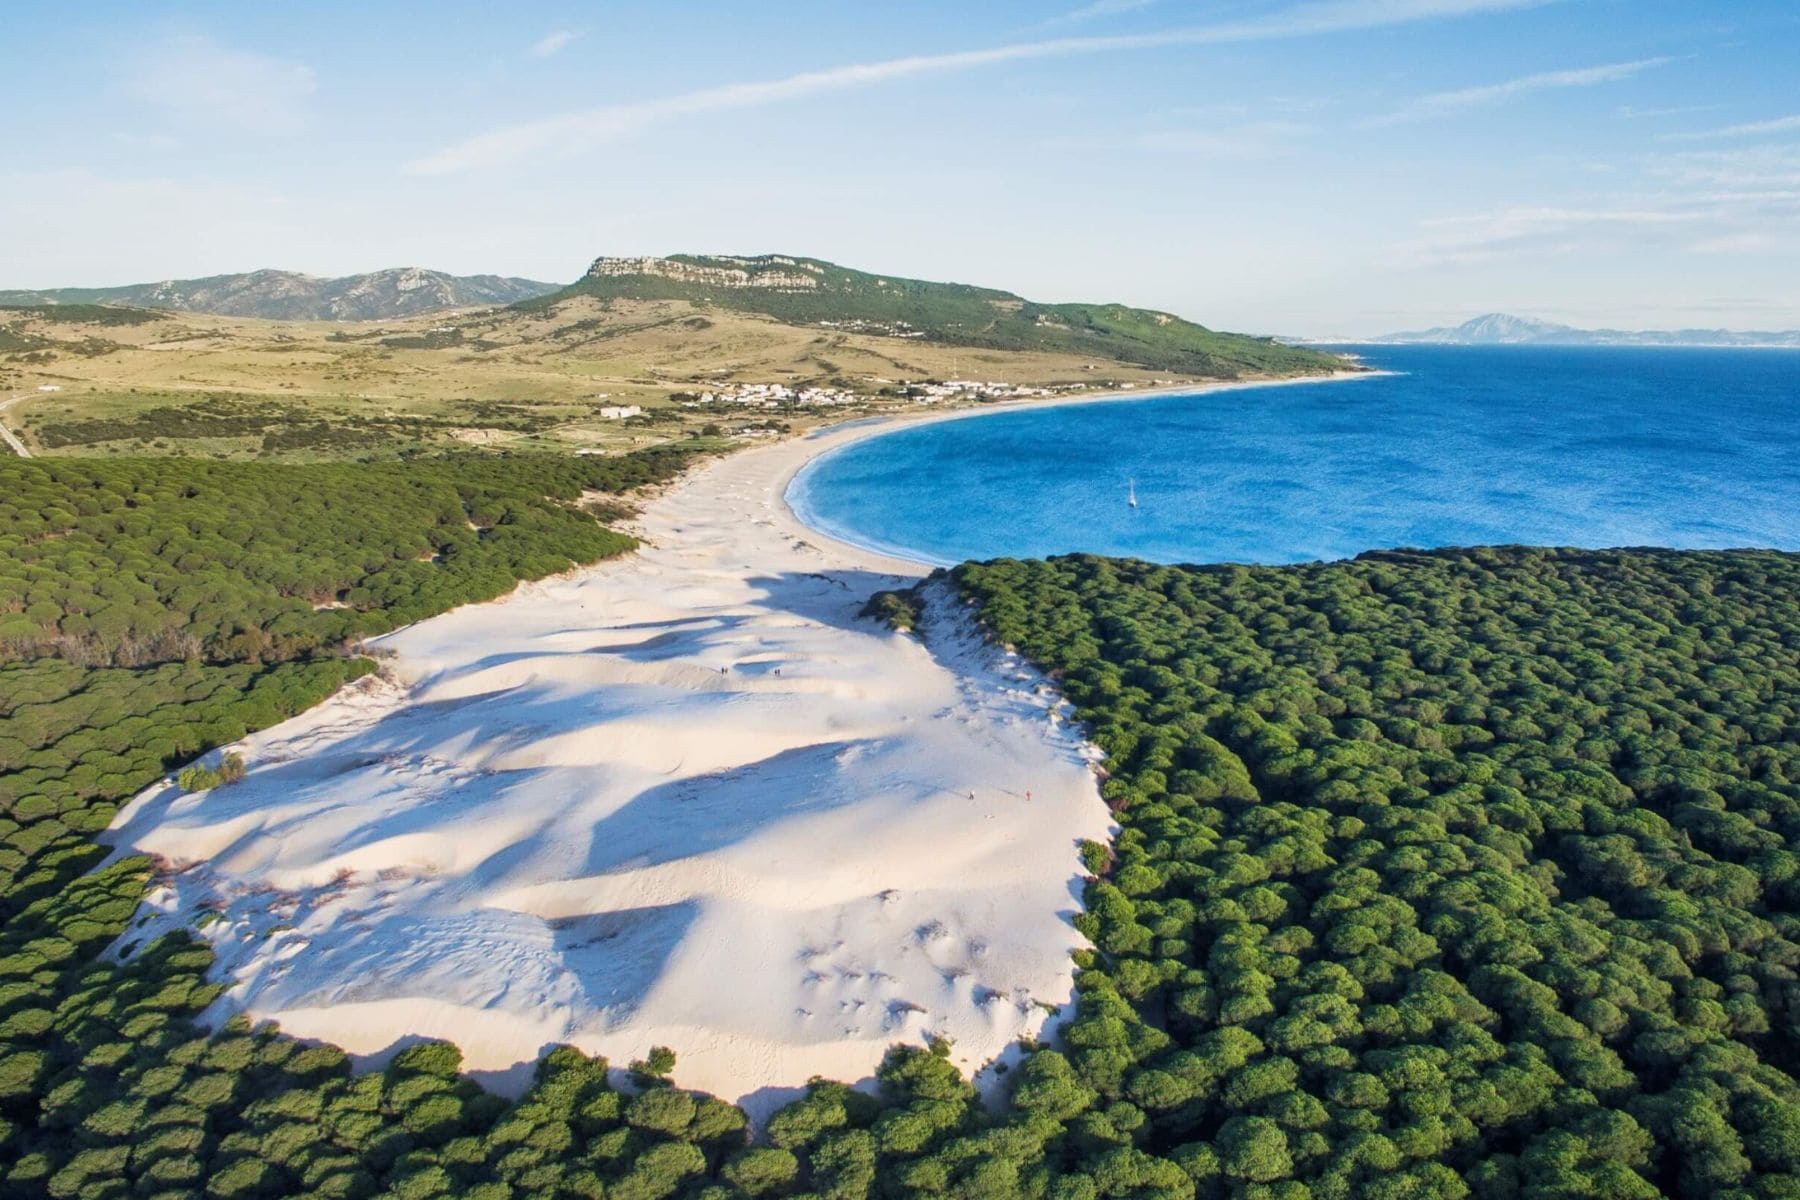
x,y
1764,168
1098,10
203,82
553,43
1482,237
1706,201
1631,113
147,141
1700,221
1750,129
576,131
1441,104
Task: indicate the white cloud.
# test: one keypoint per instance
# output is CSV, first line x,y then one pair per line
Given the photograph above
x,y
1751,129
1444,103
1746,242
553,43
1738,169
1700,222
1638,114
576,131
1098,10
1721,202
202,82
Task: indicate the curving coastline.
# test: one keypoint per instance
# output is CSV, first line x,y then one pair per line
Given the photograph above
x,y
822,444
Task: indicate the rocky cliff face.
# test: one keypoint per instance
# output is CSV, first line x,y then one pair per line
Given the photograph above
x,y
773,271
289,295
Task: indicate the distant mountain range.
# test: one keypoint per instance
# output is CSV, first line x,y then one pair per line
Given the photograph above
x,y
814,293
290,296
1501,329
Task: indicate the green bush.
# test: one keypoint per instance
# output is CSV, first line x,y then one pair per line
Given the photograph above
x,y
198,779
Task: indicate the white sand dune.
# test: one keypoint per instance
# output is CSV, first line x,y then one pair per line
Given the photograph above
x,y
684,798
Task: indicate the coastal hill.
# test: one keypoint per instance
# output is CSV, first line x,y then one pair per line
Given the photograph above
x,y
639,351
806,293
811,292
1503,329
291,296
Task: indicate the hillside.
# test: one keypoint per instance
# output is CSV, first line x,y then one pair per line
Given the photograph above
x,y
291,296
811,292
1502,329
620,362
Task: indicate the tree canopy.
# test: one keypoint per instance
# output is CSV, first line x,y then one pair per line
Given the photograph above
x,y
1470,873
124,562
1460,874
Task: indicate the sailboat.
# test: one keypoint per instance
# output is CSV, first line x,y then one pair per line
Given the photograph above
x,y
1131,492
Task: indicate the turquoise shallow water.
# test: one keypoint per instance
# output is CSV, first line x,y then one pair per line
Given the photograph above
x,y
1463,446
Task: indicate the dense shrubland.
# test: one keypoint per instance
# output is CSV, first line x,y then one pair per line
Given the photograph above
x,y
270,427
75,741
81,314
1456,874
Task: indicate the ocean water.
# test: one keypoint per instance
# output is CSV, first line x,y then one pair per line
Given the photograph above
x,y
1461,446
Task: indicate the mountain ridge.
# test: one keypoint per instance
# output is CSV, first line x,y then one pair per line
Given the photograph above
x,y
801,291
272,294
1505,329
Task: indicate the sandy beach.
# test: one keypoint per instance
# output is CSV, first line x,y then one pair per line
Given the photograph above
x,y
683,798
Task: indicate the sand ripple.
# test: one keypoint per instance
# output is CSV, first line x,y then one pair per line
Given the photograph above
x,y
686,799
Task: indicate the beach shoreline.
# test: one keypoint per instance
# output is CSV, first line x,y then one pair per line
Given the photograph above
x,y
808,451
685,797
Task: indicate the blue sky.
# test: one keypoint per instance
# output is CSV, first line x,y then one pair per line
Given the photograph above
x,y
1289,166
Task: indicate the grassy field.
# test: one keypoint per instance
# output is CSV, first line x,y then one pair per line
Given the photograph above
x,y
504,378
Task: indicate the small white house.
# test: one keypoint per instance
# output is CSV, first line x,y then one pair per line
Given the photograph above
x,y
618,412
49,387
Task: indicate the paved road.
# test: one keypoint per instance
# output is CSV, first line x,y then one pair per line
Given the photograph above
x,y
7,434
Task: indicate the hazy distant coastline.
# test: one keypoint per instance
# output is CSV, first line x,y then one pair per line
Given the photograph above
x,y
1502,329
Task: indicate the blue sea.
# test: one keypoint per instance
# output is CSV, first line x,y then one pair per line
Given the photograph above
x,y
1460,446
